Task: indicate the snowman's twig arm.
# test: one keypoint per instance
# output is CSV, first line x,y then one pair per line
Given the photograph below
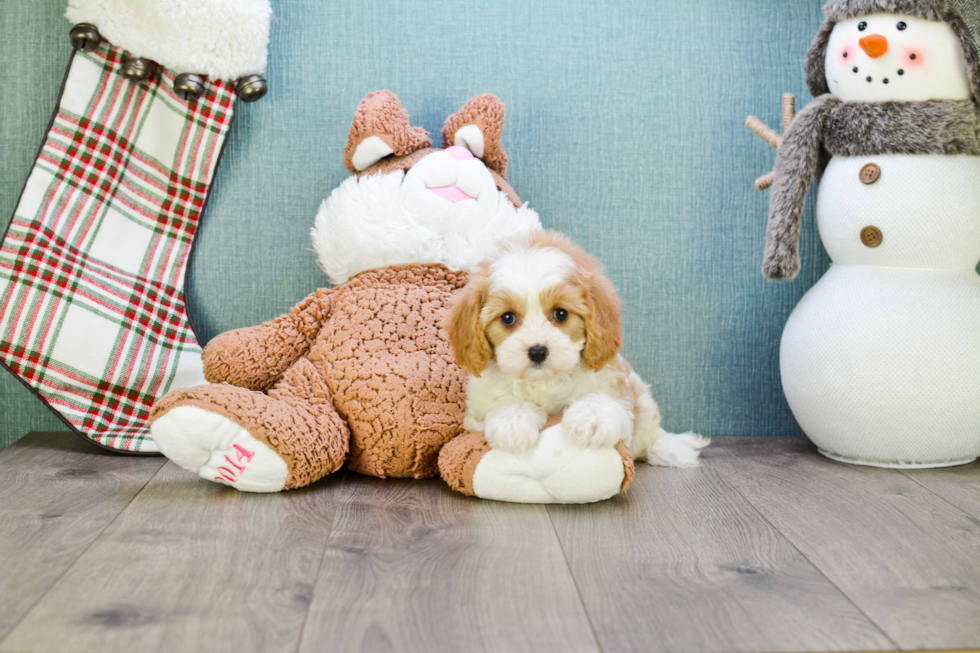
x,y
789,110
763,131
765,181
796,168
769,135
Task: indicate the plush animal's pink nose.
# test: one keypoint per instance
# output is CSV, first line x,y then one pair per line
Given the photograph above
x,y
458,152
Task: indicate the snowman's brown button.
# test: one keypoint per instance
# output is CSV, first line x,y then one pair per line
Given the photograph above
x,y
870,174
871,236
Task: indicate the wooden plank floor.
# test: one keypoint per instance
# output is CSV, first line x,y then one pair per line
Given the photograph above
x,y
767,547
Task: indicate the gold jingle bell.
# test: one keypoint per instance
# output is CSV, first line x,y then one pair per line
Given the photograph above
x,y
188,86
85,36
252,87
136,68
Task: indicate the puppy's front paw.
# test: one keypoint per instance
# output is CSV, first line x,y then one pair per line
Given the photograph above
x,y
597,421
515,427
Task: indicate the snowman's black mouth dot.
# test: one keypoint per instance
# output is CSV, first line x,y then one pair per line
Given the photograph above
x,y
885,80
845,55
901,72
869,79
855,68
913,57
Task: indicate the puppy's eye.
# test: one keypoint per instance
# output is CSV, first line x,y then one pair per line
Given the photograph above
x,y
901,26
508,319
560,314
862,26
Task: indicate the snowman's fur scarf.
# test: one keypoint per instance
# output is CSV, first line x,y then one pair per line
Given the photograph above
x,y
796,166
364,225
962,15
829,126
937,127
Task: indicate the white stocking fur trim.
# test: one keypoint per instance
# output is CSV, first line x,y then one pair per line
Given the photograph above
x,y
223,39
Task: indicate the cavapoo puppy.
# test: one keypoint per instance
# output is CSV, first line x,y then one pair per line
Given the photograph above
x,y
538,331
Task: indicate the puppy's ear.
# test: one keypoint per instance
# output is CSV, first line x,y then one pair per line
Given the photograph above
x,y
603,326
381,128
473,350
478,127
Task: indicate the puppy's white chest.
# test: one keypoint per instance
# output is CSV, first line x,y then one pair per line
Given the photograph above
x,y
552,396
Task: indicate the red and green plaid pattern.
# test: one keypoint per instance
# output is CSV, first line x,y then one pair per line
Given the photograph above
x,y
92,313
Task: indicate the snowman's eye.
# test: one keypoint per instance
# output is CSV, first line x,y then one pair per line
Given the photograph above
x,y
862,26
901,26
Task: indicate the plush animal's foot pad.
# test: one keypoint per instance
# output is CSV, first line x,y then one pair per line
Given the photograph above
x,y
677,450
557,470
219,450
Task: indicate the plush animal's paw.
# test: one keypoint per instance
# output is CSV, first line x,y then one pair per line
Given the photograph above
x,y
677,450
515,428
218,449
555,471
597,421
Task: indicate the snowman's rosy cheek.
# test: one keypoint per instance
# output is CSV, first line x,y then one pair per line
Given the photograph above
x,y
913,58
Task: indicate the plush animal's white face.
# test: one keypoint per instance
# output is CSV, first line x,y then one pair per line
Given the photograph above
x,y
896,58
446,209
450,185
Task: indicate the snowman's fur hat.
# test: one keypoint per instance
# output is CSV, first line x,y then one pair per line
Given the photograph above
x,y
962,15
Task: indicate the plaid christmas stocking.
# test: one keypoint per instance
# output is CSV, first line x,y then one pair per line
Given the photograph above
x,y
92,266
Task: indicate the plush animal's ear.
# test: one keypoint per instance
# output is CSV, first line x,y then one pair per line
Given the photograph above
x,y
473,350
603,326
478,127
381,128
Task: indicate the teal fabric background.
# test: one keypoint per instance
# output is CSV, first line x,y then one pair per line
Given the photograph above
x,y
624,130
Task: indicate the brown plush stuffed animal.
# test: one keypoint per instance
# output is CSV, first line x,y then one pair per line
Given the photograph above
x,y
363,372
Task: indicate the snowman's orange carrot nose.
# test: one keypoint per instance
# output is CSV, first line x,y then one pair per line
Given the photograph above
x,y
875,45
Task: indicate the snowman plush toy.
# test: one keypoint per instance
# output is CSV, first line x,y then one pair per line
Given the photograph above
x,y
880,360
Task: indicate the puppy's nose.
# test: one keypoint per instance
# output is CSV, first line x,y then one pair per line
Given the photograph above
x,y
537,353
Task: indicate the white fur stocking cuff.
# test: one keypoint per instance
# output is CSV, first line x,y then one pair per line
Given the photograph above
x,y
223,39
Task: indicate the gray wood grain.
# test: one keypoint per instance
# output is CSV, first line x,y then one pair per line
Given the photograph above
x,y
683,563
57,494
411,566
909,559
190,566
768,546
958,485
